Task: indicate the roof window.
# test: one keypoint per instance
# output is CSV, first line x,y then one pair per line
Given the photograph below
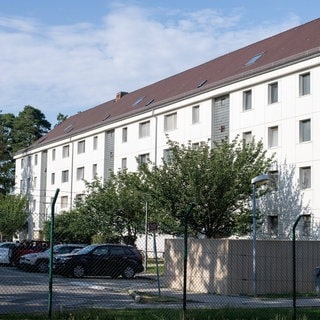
x,y
254,59
149,102
138,101
68,128
107,116
201,83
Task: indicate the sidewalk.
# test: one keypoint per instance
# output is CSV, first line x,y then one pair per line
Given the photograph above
x,y
208,300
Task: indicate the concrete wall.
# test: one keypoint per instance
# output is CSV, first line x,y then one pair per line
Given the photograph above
x,y
224,266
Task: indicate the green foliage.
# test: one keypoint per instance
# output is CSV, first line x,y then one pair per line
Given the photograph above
x,y
29,126
111,211
13,214
217,179
18,133
6,157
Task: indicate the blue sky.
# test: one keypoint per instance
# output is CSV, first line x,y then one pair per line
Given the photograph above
x,y
70,55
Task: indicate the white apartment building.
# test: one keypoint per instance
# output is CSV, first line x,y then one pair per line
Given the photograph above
x,y
268,90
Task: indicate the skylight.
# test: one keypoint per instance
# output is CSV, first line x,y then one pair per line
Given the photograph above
x,y
149,102
254,59
107,116
68,128
138,101
201,83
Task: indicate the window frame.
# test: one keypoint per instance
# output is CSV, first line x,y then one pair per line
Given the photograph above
x,y
247,100
304,84
81,146
196,114
170,121
303,172
273,92
271,137
64,176
304,130
144,129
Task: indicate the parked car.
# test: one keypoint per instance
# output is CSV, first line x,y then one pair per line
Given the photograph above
x,y
40,261
26,247
6,252
100,260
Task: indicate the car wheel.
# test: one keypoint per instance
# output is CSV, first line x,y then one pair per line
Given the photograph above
x,y
128,272
43,266
78,271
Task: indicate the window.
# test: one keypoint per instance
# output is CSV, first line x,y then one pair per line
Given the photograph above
x,y
273,225
306,225
167,156
273,137
65,176
170,122
143,158
305,130
22,163
124,163
274,179
195,114
144,129
81,146
273,92
35,159
247,137
65,151
247,100
53,154
80,197
195,145
305,177
34,182
80,173
124,134
304,84
64,201
29,161
53,178
94,170
95,143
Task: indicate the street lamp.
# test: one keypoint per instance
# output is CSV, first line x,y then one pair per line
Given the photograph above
x,y
256,181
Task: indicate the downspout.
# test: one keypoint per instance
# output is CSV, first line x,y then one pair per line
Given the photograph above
x,y
155,138
71,174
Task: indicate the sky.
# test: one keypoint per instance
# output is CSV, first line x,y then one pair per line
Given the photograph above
x,y
66,56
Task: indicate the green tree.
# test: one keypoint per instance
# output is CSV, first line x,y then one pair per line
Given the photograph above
x,y
111,211
6,157
217,180
29,126
60,118
13,214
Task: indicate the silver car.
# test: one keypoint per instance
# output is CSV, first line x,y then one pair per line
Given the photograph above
x,y
39,261
5,252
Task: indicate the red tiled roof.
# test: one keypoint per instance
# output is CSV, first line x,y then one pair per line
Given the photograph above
x,y
286,47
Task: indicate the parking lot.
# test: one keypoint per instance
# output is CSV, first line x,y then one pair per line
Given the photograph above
x,y
22,291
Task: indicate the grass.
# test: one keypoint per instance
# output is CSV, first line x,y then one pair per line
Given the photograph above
x,y
168,314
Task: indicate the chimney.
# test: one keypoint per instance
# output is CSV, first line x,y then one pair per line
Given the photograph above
x,y
120,94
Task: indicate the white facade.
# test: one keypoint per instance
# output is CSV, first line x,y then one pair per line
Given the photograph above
x,y
281,106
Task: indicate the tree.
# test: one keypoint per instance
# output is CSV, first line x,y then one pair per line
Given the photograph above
x,y
13,214
29,126
111,211
60,118
6,157
217,180
284,202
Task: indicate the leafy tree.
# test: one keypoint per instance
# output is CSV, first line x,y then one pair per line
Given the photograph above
x,y
29,126
13,214
111,211
60,118
285,201
217,180
6,157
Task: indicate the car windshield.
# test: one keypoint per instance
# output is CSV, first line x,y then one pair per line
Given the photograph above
x,y
86,249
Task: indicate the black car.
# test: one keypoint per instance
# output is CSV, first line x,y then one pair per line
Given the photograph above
x,y
112,260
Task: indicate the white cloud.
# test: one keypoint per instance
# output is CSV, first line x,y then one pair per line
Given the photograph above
x,y
70,68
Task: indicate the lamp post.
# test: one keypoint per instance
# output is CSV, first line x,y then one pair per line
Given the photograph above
x,y
256,181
